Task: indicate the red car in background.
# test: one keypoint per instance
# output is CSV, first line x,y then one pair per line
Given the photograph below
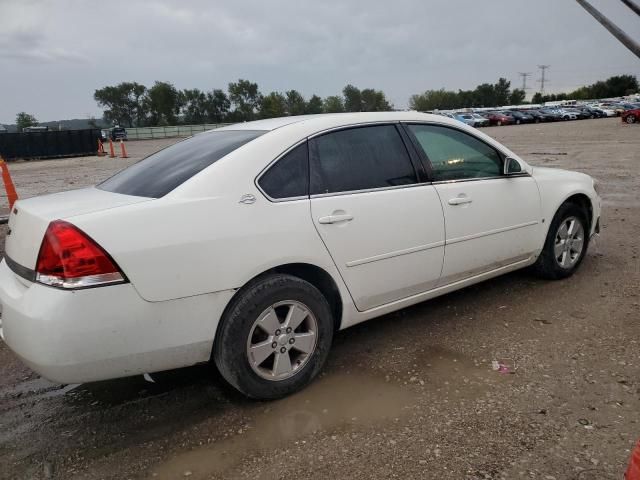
x,y
497,118
631,116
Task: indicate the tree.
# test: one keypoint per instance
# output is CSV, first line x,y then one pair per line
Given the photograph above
x,y
434,100
163,103
352,99
123,103
517,96
295,103
537,98
502,92
374,101
333,104
24,120
273,105
218,105
246,99
314,105
194,106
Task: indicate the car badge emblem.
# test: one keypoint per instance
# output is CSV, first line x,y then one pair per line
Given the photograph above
x,y
247,199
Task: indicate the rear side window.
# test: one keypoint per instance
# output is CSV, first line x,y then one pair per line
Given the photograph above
x,y
161,172
289,176
455,155
359,159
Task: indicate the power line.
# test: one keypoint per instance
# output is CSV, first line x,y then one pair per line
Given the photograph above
x,y
542,78
632,5
524,76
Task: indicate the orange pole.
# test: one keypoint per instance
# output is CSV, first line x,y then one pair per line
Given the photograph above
x,y
112,153
12,196
123,151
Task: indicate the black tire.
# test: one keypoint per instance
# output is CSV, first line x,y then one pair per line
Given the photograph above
x,y
547,265
230,345
631,119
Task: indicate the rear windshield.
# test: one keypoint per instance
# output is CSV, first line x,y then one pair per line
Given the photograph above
x,y
161,172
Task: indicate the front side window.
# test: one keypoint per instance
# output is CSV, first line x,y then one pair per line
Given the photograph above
x,y
161,172
289,176
456,155
359,159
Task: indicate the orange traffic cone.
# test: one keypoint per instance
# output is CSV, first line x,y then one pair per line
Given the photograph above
x,y
101,152
123,151
633,470
12,196
112,153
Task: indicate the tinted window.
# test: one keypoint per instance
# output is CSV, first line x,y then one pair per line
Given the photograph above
x,y
455,155
289,177
359,159
163,171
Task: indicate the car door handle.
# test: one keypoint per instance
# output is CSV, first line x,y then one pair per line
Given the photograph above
x,y
345,217
460,200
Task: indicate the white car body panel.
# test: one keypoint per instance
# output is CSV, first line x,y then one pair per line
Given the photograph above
x,y
500,225
407,254
186,254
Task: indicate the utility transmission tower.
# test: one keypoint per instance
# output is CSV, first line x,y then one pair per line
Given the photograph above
x,y
524,76
543,77
625,39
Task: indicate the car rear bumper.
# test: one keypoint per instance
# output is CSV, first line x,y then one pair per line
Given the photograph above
x,y
105,332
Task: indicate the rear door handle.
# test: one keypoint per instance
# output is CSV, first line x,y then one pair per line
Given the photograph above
x,y
345,217
460,200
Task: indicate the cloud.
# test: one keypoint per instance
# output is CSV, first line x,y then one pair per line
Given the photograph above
x,y
403,47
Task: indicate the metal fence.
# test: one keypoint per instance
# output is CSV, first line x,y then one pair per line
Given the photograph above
x,y
50,144
141,133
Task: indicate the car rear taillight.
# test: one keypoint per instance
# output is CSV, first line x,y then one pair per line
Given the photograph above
x,y
69,258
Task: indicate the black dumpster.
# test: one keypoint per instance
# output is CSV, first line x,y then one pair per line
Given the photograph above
x,y
49,144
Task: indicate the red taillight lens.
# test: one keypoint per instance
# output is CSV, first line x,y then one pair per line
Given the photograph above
x,y
68,258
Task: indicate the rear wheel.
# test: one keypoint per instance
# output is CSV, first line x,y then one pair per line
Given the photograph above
x,y
566,243
274,337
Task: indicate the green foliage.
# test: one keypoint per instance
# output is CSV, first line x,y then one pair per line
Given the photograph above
x,y
123,103
24,120
163,103
517,96
218,105
273,105
616,86
194,106
374,101
246,98
333,104
295,103
314,105
352,98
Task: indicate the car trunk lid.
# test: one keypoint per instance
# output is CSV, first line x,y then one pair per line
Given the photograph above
x,y
29,218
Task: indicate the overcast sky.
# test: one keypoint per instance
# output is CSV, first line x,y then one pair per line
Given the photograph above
x,y
55,54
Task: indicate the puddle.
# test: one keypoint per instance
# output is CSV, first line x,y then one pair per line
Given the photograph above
x,y
329,403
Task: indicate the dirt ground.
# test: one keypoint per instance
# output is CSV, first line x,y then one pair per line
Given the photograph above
x,y
409,395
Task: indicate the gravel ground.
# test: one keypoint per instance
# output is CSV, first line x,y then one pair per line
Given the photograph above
x,y
408,395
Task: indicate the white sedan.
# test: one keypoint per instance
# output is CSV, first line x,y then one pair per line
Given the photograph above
x,y
250,245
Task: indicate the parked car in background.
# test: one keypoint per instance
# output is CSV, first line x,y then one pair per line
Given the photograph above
x,y
579,113
539,116
480,120
499,118
465,118
282,231
553,113
519,117
607,109
631,116
118,133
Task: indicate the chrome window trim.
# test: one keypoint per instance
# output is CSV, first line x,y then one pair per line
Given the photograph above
x,y
368,190
256,180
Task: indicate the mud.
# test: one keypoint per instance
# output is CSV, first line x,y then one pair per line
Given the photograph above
x,y
409,395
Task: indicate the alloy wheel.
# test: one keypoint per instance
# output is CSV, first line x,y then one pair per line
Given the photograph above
x,y
281,340
569,242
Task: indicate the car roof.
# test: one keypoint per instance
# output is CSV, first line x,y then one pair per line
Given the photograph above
x,y
330,120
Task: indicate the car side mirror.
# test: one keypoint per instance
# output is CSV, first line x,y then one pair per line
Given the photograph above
x,y
511,166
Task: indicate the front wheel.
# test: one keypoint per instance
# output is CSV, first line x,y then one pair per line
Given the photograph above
x,y
631,119
566,243
274,337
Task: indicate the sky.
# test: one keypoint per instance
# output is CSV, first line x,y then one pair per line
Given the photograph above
x,y
55,54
